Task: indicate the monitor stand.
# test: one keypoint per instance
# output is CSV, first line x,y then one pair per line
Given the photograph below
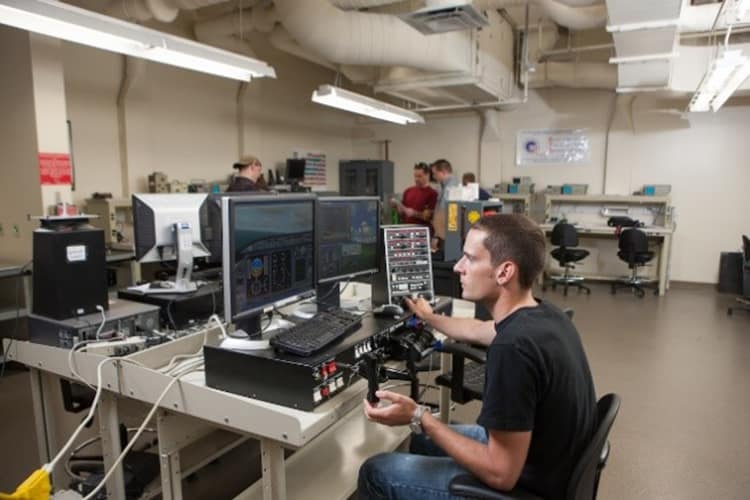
x,y
183,244
248,336
328,296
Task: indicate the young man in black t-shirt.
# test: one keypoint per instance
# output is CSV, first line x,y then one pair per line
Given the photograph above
x,y
539,406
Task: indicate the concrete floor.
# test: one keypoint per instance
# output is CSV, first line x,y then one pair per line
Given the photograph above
x,y
680,364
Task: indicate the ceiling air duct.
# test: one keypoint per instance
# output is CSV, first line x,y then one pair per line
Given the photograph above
x,y
443,17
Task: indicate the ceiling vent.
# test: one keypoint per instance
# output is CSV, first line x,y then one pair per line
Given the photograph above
x,y
445,17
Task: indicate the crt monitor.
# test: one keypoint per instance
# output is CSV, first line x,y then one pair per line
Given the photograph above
x,y
295,169
167,227
346,230
268,254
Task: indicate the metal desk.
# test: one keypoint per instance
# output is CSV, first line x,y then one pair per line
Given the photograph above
x,y
332,441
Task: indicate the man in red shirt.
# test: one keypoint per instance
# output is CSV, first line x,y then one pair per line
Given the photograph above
x,y
418,201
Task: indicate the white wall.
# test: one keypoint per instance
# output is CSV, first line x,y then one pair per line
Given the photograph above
x,y
184,123
703,158
20,194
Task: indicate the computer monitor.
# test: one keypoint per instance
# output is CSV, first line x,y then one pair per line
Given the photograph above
x,y
295,170
167,227
211,224
346,236
269,254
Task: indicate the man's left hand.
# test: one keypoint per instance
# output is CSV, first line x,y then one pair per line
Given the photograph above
x,y
399,412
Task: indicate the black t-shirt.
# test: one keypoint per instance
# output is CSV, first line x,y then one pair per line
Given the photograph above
x,y
240,183
538,380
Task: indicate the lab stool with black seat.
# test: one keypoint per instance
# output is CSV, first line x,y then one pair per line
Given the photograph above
x,y
633,245
565,237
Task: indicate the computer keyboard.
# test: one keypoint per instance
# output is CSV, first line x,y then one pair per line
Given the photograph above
x,y
309,337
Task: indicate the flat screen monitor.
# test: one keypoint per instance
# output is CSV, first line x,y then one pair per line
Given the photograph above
x,y
269,252
168,227
154,217
346,230
211,224
295,169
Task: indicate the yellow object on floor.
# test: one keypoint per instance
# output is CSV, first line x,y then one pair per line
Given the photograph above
x,y
36,487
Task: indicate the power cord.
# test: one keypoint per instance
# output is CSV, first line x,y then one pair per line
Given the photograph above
x,y
132,442
104,321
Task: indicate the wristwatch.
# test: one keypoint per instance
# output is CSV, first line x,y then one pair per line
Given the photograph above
x,y
416,420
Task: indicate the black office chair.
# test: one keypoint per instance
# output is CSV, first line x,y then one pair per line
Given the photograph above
x,y
633,244
565,237
466,378
743,302
584,481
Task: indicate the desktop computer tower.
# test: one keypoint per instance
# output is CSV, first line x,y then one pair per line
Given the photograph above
x,y
70,275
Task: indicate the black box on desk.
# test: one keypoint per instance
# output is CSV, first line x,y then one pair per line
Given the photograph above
x,y
299,382
179,310
124,318
70,277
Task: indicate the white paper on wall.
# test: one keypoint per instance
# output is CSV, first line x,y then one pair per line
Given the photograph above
x,y
548,146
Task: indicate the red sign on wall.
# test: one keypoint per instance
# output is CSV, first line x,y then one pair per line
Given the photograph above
x,y
54,168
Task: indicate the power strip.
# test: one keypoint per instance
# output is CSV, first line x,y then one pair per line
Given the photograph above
x,y
117,347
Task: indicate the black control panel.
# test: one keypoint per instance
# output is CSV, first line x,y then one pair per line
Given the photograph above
x,y
306,382
407,265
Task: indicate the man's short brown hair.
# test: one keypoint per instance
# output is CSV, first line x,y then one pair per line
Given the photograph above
x,y
516,238
442,165
423,167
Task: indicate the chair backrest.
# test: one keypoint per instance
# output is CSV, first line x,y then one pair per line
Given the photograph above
x,y
564,235
633,241
583,481
746,248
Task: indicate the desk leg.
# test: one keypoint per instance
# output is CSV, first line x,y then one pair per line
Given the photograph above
x,y
135,272
43,385
111,449
40,417
27,298
445,392
274,475
169,458
666,243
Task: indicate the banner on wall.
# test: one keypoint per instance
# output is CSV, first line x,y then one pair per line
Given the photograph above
x,y
55,169
546,146
315,166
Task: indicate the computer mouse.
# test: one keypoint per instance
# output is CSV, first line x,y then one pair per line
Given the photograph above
x,y
388,310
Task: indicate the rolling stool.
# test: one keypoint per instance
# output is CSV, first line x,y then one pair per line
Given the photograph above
x,y
565,236
633,244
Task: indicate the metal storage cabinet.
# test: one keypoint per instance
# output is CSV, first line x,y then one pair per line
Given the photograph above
x,y
366,178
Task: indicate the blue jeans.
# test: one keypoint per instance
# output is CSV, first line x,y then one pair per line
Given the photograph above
x,y
424,472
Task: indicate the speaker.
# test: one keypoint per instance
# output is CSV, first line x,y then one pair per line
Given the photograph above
x,y
70,276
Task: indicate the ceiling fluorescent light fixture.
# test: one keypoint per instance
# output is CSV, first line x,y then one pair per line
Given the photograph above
x,y
723,78
73,24
738,8
363,105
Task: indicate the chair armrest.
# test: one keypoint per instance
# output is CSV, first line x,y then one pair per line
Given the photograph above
x,y
465,350
604,456
466,485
